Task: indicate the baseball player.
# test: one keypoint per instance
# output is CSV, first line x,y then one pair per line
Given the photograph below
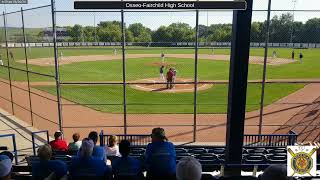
x,y
162,57
174,76
61,56
274,54
161,73
292,55
300,57
169,79
1,62
11,55
114,51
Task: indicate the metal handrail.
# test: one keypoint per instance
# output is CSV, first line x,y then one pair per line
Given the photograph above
x,y
250,140
13,136
33,139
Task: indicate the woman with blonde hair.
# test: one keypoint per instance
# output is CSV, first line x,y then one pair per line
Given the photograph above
x,y
113,149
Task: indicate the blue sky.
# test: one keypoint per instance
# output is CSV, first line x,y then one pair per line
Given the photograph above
x,y
41,17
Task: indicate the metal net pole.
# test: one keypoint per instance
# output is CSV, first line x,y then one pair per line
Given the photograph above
x,y
196,79
27,65
124,72
56,63
8,63
264,68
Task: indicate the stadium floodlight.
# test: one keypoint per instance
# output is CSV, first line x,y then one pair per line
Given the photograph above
x,y
161,4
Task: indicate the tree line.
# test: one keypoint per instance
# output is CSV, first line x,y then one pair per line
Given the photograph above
x,y
283,29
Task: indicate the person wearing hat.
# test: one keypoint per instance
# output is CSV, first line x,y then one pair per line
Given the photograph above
x,y
85,164
189,168
5,167
160,157
45,166
58,144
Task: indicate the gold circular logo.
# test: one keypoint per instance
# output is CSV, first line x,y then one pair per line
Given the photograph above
x,y
301,163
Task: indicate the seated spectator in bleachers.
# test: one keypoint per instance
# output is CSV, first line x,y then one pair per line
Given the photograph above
x,y
275,172
76,144
58,144
5,167
112,149
160,157
126,167
85,165
45,167
189,168
98,151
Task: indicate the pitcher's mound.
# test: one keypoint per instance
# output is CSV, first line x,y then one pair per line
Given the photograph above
x,y
158,85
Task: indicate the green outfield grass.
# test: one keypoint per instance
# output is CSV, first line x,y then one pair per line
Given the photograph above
x,y
213,100
141,68
137,68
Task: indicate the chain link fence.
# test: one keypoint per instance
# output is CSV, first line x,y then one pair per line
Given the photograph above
x,y
101,70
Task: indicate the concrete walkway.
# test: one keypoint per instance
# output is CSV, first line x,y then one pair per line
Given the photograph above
x,y
11,125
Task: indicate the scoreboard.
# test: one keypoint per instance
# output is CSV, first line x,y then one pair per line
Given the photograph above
x,y
161,5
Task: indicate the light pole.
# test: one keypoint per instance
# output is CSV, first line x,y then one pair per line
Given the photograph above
x,y
292,25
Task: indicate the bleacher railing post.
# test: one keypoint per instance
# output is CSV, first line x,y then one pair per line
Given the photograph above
x,y
33,144
15,148
101,138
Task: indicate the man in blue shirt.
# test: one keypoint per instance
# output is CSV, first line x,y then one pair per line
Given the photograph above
x,y
126,167
160,157
98,151
44,167
85,164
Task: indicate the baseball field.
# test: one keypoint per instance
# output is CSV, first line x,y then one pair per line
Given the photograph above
x,y
89,103
105,65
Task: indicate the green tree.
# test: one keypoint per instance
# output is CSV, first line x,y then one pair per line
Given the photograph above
x,y
140,33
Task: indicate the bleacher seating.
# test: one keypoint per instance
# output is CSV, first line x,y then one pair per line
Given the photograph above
x,y
212,158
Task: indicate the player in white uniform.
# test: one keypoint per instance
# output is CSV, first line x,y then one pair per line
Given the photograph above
x,y
61,56
1,62
162,57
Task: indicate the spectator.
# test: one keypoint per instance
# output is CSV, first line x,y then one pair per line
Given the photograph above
x,y
98,151
44,167
160,157
58,144
76,144
5,167
85,164
125,166
275,172
8,154
112,148
189,168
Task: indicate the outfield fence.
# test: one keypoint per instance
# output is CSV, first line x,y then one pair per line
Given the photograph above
x,y
48,95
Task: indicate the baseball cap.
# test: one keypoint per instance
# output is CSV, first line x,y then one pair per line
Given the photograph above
x,y
189,168
7,153
158,133
57,134
5,165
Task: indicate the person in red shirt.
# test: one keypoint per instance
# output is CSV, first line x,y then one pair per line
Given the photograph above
x,y
170,79
58,144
